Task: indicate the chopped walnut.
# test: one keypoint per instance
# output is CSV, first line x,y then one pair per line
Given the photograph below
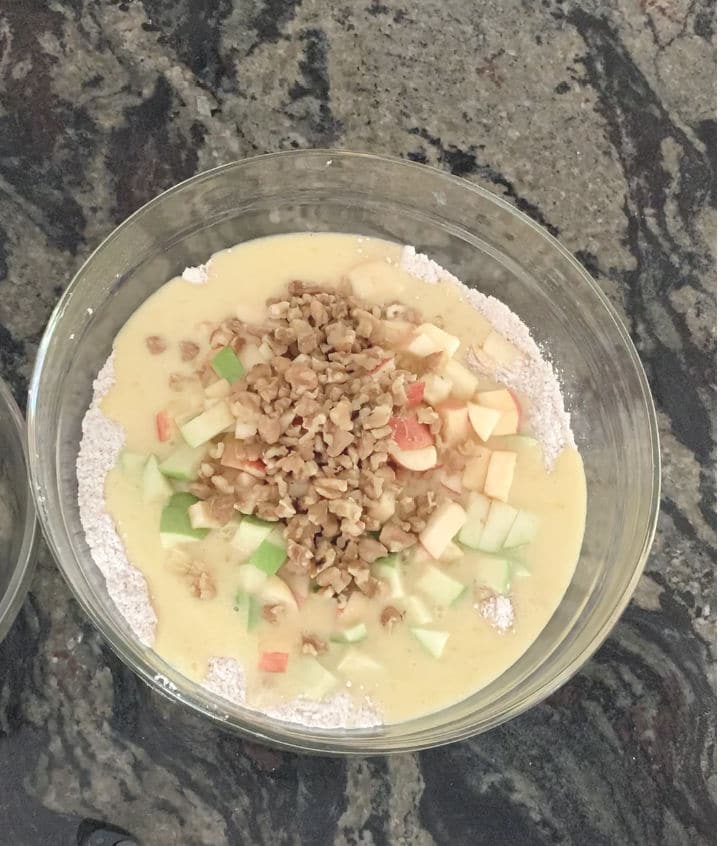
x,y
202,586
155,344
188,350
272,613
395,539
313,645
390,616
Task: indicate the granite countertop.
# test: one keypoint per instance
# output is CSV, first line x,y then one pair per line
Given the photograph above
x,y
597,119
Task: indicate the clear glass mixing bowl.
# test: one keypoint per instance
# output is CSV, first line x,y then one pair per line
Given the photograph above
x,y
482,240
17,513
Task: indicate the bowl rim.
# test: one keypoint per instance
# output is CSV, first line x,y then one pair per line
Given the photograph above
x,y
287,736
12,600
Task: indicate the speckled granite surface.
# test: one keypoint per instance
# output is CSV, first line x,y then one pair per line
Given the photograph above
x,y
597,119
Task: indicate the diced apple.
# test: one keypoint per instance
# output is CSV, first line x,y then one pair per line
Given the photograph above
x,y
501,350
444,523
452,552
451,481
175,524
475,471
440,587
208,424
523,530
502,400
250,579
163,426
500,473
201,518
417,611
418,460
478,508
183,463
483,420
273,662
497,526
249,535
218,389
433,641
391,575
385,365
354,634
415,392
274,591
429,339
464,383
355,663
248,610
493,573
455,422
317,682
499,398
227,365
437,389
409,433
269,556
154,485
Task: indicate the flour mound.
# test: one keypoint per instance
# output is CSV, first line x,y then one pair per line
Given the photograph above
x,y
102,440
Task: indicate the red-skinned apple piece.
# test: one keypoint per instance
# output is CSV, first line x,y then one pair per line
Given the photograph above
x,y
273,662
415,392
418,460
163,426
409,433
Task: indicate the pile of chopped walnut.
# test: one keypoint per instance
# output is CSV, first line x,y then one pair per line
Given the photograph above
x,y
312,433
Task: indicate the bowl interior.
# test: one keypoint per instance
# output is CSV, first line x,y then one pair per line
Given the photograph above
x,y
483,241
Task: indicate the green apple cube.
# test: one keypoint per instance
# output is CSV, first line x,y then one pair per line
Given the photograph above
x,y
316,681
478,507
518,570
493,573
154,485
268,557
354,634
207,425
390,574
523,530
250,579
355,663
183,464
433,641
132,463
440,587
250,534
248,609
497,526
417,612
227,365
175,526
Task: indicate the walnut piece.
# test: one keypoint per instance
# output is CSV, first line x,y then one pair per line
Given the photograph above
x,y
155,344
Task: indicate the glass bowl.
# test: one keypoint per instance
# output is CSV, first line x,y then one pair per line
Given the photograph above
x,y
478,237
17,513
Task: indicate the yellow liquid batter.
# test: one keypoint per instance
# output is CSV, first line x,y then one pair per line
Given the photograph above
x,y
190,631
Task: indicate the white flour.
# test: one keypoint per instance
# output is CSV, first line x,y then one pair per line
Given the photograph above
x,y
196,275
533,376
102,440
